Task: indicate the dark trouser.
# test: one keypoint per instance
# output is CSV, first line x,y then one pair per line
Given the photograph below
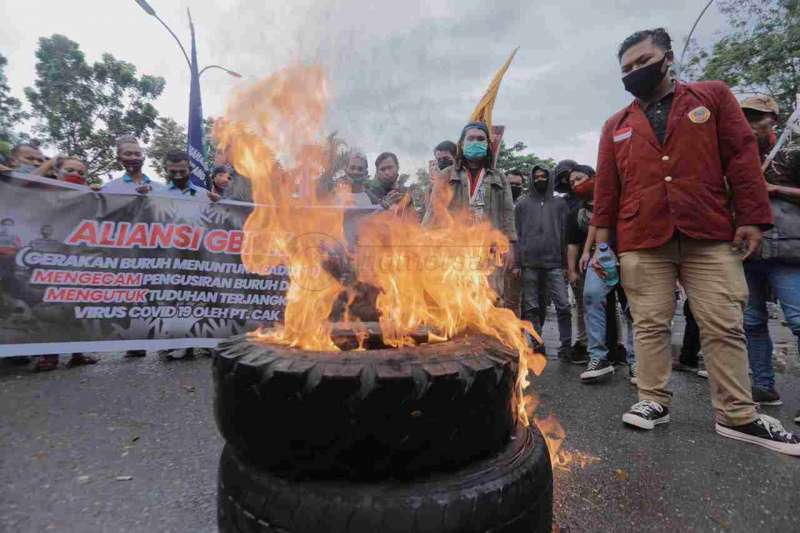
x,y
783,280
537,282
691,338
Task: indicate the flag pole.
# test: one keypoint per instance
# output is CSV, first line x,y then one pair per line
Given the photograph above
x,y
195,142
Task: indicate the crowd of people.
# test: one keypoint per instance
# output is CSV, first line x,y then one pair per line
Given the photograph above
x,y
681,198
686,194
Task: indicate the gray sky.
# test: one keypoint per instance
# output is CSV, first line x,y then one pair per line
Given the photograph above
x,y
404,75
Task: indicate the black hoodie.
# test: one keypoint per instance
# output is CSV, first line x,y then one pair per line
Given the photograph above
x,y
541,221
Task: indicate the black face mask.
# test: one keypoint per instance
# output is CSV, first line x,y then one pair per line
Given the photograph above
x,y
642,82
540,185
444,162
516,190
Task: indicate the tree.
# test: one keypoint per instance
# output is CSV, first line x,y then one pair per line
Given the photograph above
x,y
11,113
510,158
760,55
423,179
168,135
81,109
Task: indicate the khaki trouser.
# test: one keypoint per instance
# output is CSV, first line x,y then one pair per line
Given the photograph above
x,y
713,277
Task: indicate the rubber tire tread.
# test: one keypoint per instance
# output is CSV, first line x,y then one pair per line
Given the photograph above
x,y
369,414
509,493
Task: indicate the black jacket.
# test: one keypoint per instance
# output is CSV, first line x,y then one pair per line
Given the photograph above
x,y
541,227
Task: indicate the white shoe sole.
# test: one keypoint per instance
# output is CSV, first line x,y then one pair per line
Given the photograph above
x,y
634,381
780,447
597,374
775,403
639,422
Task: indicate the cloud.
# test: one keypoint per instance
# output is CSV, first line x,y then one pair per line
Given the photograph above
x,y
404,75
581,147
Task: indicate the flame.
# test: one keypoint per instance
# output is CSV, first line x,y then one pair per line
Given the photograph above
x,y
271,132
436,278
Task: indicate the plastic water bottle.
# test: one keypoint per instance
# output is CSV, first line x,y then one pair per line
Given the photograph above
x,y
608,261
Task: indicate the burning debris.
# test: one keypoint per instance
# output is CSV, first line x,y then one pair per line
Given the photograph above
x,y
434,278
394,359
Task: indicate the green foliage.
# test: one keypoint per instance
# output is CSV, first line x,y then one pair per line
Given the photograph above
x,y
81,109
514,157
168,135
11,113
423,179
760,55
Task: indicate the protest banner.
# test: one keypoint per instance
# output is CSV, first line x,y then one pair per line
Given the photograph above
x,y
91,271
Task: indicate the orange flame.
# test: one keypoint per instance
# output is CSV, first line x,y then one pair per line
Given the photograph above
x,y
435,277
271,133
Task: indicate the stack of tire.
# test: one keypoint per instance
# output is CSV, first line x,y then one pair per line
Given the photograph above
x,y
417,439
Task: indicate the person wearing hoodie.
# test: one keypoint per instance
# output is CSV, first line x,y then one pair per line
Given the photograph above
x,y
562,187
541,228
476,185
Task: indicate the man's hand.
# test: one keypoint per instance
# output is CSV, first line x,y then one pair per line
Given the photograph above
x,y
143,189
747,240
573,276
773,189
214,197
391,198
595,264
583,263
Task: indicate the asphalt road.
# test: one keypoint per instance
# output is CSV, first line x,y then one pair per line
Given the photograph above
x,y
131,445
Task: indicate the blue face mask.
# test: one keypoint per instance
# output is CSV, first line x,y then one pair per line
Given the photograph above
x,y
475,149
25,168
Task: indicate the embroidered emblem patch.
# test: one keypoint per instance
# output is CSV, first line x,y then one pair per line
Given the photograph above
x,y
699,115
622,134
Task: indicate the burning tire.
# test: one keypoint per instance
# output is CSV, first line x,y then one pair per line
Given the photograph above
x,y
507,493
367,414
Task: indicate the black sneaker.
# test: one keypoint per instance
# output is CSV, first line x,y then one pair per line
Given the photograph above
x,y
764,431
579,347
766,396
683,367
135,353
596,369
578,357
565,354
646,414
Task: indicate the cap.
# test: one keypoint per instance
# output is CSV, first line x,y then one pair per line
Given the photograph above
x,y
762,103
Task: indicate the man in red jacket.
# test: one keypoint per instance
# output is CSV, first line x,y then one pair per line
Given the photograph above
x,y
679,178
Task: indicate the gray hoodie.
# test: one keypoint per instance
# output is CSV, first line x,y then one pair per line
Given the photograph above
x,y
541,223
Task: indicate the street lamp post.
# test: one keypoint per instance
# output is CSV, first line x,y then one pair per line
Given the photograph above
x,y
195,143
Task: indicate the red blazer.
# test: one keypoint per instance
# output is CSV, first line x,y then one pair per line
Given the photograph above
x,y
648,190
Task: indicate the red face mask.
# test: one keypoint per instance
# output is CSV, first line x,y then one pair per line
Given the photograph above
x,y
585,189
74,178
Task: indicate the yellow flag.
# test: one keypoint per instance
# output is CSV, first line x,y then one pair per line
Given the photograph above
x,y
483,112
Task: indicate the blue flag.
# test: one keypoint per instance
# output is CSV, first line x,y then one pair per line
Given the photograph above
x,y
195,145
